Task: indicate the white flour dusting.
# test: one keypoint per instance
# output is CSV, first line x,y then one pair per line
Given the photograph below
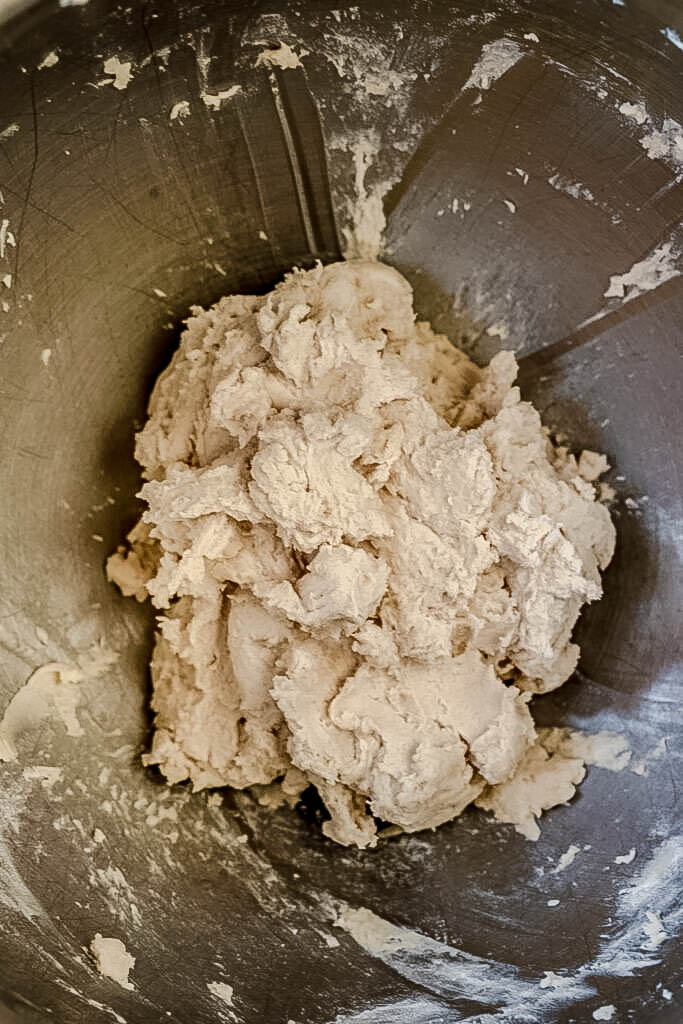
x,y
552,980
654,930
117,893
366,64
642,765
412,1010
662,264
652,899
366,221
674,38
665,143
496,59
210,99
386,82
94,1003
634,112
656,889
661,140
449,972
14,893
53,689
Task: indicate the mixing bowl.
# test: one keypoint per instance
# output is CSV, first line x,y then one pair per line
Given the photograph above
x,y
527,156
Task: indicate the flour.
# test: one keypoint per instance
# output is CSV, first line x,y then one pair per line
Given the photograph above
x,y
641,766
654,930
495,60
552,980
363,236
367,557
659,266
660,142
663,264
648,909
450,972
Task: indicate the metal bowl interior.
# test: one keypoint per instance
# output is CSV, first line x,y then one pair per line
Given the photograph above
x,y
529,209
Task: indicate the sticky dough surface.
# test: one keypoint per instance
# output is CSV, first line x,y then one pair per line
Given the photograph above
x,y
367,556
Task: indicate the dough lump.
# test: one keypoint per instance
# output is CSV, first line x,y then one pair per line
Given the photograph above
x,y
112,960
367,555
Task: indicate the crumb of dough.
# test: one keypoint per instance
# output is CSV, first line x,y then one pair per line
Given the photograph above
x,y
112,959
368,555
591,465
541,781
221,990
608,750
606,492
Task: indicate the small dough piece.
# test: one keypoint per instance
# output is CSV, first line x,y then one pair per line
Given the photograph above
x,y
112,960
609,750
542,781
592,465
367,555
132,567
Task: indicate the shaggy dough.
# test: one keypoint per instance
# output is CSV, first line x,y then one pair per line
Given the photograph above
x,y
368,556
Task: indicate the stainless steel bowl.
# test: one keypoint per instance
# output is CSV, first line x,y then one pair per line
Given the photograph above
x,y
513,205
